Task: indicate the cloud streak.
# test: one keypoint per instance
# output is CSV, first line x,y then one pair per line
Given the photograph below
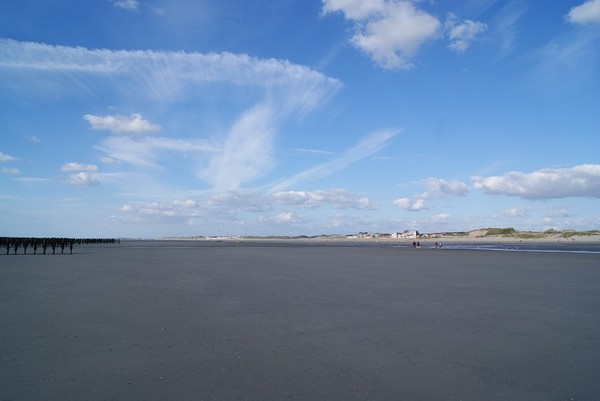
x,y
366,147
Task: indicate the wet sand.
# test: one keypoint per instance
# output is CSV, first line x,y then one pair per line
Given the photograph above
x,y
200,320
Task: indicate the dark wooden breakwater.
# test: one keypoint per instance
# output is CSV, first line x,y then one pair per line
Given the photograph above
x,y
45,245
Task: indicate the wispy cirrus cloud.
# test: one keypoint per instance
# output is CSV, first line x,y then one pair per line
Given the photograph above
x,y
262,94
149,151
74,166
505,26
247,151
367,146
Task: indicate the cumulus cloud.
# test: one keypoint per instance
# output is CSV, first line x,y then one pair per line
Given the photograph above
x,y
552,183
82,179
586,13
339,198
7,158
414,204
390,32
132,124
438,187
130,5
73,166
461,34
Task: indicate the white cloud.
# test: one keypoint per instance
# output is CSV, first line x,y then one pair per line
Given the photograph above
x,y
390,32
366,147
82,179
245,200
414,204
438,187
148,151
586,13
132,124
247,152
109,160
316,151
33,139
7,158
440,218
78,167
283,218
462,34
8,170
355,9
339,198
167,76
130,5
559,212
516,212
505,26
270,93
568,60
579,181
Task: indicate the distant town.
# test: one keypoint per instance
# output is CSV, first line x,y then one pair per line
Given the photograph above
x,y
482,233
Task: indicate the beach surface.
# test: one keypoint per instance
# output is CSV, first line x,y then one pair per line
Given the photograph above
x,y
272,320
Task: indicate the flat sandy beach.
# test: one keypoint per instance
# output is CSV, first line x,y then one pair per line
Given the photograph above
x,y
257,320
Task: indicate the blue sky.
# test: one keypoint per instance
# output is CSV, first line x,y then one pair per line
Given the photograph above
x,y
150,118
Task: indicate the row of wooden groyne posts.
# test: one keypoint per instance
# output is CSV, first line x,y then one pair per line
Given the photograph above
x,y
15,243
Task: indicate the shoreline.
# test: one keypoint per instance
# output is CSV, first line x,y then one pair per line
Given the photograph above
x,y
444,239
